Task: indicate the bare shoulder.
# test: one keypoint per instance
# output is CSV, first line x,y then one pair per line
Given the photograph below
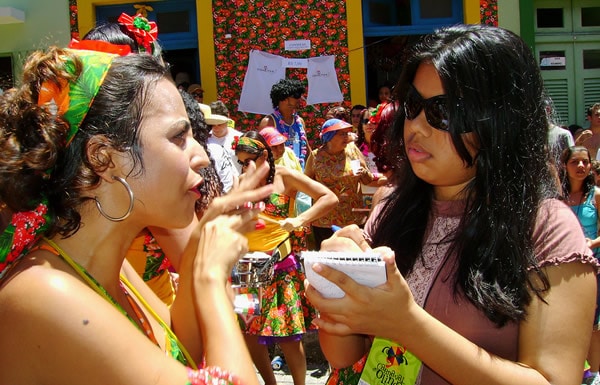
x,y
43,296
597,196
51,317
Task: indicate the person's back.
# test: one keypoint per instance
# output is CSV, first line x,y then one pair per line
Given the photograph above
x,y
559,139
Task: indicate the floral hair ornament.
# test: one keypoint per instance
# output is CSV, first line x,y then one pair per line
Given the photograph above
x,y
376,114
72,100
24,230
234,143
145,32
249,142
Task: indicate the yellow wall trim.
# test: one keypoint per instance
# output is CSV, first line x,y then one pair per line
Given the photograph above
x,y
471,12
356,53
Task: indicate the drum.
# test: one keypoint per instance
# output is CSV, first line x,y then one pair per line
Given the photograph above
x,y
254,270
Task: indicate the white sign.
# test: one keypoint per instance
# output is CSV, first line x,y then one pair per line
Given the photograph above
x,y
560,61
297,45
295,63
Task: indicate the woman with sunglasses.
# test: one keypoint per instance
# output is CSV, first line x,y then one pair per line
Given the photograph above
x,y
285,314
366,128
286,96
490,280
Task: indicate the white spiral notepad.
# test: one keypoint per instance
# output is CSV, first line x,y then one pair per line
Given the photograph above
x,y
365,268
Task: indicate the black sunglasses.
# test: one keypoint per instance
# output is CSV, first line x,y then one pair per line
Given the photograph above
x,y
435,108
246,162
296,95
366,121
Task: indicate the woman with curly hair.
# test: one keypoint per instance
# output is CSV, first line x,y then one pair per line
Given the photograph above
x,y
96,147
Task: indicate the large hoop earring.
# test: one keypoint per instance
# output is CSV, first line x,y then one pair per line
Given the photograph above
x,y
131,199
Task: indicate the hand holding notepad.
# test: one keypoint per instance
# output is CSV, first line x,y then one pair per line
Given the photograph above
x,y
366,268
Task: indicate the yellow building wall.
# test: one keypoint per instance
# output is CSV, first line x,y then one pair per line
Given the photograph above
x,y
356,55
206,49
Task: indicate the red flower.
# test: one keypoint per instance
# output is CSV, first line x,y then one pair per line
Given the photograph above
x,y
236,139
145,32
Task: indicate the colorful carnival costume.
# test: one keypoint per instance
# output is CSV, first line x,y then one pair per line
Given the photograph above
x,y
285,312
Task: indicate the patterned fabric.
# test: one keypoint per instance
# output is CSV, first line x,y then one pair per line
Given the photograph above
x,y
73,100
349,375
293,131
150,262
335,172
285,311
323,22
212,375
24,230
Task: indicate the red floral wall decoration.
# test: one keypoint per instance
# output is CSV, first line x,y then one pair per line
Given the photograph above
x,y
73,19
488,10
266,25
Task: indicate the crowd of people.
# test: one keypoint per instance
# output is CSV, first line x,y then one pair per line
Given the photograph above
x,y
127,203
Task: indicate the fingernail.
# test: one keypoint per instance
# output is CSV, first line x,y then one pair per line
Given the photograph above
x,y
259,205
260,224
248,205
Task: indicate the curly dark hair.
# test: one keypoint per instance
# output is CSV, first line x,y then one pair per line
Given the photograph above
x,y
36,161
338,112
211,186
285,88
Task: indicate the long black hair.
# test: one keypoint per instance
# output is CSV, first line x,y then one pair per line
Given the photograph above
x,y
588,183
495,91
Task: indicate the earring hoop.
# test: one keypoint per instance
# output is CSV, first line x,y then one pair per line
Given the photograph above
x,y
131,200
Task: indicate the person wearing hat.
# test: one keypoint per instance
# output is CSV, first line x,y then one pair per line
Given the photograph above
x,y
220,144
197,92
283,155
340,166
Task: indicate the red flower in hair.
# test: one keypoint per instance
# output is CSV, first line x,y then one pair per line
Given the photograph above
x,y
145,32
234,144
